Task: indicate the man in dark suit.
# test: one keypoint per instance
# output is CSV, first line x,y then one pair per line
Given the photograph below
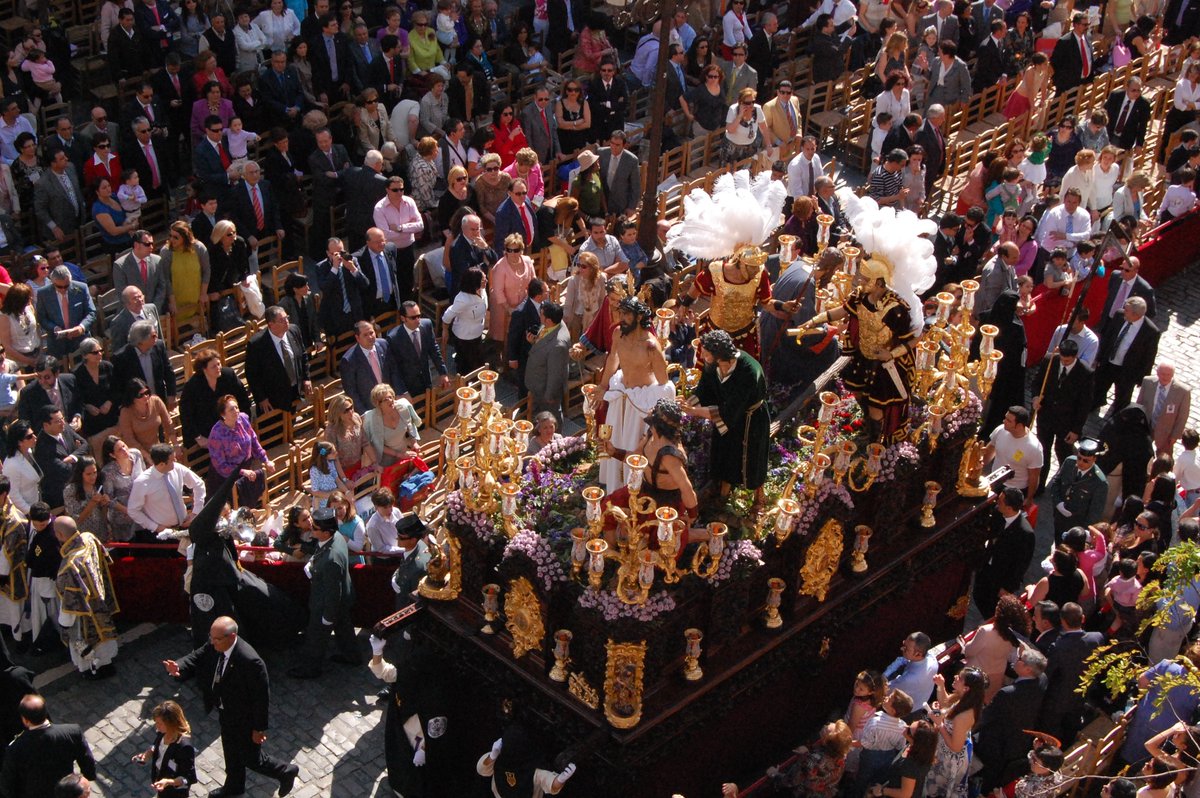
x,y
470,249
276,368
135,308
564,25
145,351
175,92
365,50
389,273
57,450
902,135
608,98
143,268
413,348
1062,710
1072,58
1007,552
279,88
157,23
328,165
1181,20
252,207
993,60
221,43
365,365
1124,282
206,218
1128,115
64,327
974,239
516,214
1064,404
283,174
342,285
211,160
1126,356
1000,741
828,51
541,126
525,319
945,249
329,601
761,54
64,139
43,754
49,389
145,104
233,679
310,26
621,180
365,186
332,66
386,74
150,161
1046,625
127,51
932,138
943,21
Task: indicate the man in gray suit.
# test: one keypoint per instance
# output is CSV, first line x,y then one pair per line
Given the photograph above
x,y
546,371
943,21
999,275
541,127
142,268
741,75
136,309
949,79
57,201
365,185
619,174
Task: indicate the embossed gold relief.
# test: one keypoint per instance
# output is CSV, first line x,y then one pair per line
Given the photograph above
x,y
623,684
821,562
579,687
970,470
959,610
734,306
523,614
443,575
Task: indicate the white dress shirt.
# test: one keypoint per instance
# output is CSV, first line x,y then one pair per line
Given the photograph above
x,y
1118,357
798,185
150,506
1055,221
381,531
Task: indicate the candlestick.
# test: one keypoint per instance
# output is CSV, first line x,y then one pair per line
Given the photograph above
x,y
932,489
788,509
667,516
816,474
646,569
988,344
852,254
874,459
592,497
829,403
495,437
691,657
487,386
775,587
635,465
716,542
562,655
466,401
858,559
596,549
663,319
787,249
508,498
589,398
491,607
824,223
945,302
936,415
578,549
450,441
969,287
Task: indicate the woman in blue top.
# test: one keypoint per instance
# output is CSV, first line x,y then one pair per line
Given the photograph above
x,y
110,216
349,523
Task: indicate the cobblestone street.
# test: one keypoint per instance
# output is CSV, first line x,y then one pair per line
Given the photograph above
x,y
331,727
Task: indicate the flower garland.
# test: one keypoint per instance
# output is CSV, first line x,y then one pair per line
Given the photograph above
x,y
561,449
612,608
537,549
550,501
966,417
810,509
737,553
478,524
902,455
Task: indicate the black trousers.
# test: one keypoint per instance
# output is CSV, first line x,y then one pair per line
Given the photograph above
x,y
1062,450
316,639
242,754
1110,376
468,353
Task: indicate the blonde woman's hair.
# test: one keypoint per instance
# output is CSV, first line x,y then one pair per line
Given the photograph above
x,y
172,714
427,146
747,94
1083,156
220,229
455,172
515,240
338,407
526,157
379,392
339,496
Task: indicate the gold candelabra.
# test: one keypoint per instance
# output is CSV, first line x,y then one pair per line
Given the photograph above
x,y
932,489
483,453
858,473
637,564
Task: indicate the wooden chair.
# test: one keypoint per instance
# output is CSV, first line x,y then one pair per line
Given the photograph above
x,y
232,345
336,348
108,305
270,256
11,23
441,408
823,116
428,295
96,262
187,322
857,141
280,272
196,458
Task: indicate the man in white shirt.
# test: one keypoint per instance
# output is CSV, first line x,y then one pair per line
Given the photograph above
x,y
156,499
1187,467
1081,333
12,124
804,169
1064,225
1011,445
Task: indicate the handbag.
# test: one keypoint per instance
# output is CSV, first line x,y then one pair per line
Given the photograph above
x,y
1120,55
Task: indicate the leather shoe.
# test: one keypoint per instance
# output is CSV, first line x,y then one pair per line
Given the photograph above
x,y
221,792
289,780
301,672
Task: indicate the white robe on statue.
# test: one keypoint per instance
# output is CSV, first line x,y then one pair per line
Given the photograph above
x,y
627,411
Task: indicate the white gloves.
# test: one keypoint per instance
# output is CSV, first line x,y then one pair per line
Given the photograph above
x,y
419,756
566,773
377,646
496,746
1062,509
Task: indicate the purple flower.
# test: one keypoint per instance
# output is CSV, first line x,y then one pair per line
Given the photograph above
x,y
612,608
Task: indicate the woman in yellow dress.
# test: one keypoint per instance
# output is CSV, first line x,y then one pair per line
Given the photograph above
x,y
187,261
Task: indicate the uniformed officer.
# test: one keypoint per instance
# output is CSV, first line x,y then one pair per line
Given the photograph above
x,y
1079,490
410,536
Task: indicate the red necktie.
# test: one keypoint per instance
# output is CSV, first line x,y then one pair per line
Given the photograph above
x,y
545,122
1083,54
66,308
150,159
528,226
259,219
145,272
224,156
175,83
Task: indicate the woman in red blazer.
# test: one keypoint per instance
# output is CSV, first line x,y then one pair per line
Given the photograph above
x,y
104,163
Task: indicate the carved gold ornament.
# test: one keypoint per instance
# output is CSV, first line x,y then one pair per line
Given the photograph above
x,y
822,561
523,617
579,687
959,610
443,575
623,684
